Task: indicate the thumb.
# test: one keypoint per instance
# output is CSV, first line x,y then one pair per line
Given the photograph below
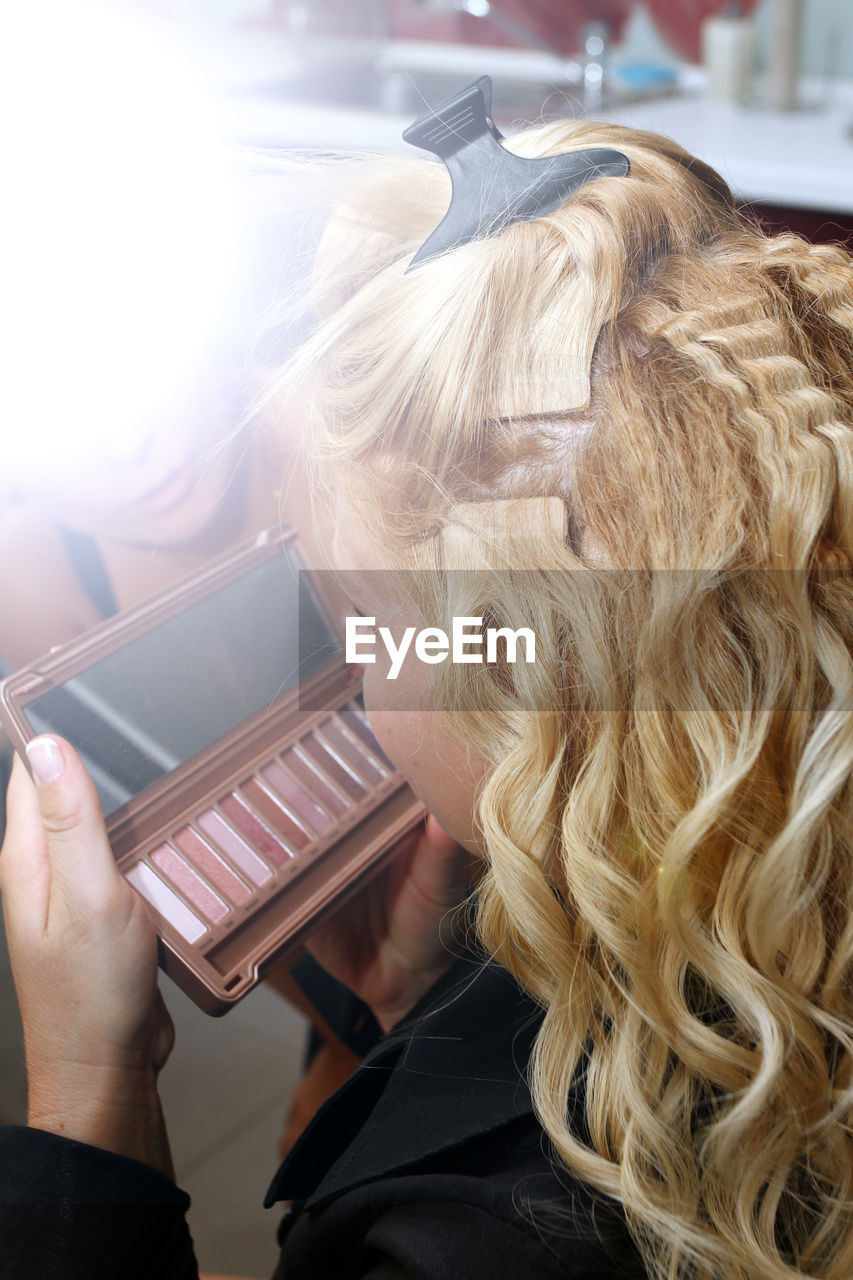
x,y
445,847
441,865
79,853
24,868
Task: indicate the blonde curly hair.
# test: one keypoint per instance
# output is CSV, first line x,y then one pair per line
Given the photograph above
x,y
670,831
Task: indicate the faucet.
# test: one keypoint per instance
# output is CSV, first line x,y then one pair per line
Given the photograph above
x,y
586,71
517,30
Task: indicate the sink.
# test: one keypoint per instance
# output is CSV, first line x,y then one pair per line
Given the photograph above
x,y
414,75
406,77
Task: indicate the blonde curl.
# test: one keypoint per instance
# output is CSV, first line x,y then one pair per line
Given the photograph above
x,y
669,815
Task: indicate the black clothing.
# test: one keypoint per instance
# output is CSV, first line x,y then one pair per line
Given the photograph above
x,y
427,1165
350,1018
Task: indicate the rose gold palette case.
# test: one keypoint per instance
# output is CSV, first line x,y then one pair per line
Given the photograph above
x,y
244,792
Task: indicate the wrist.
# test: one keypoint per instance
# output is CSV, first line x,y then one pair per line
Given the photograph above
x,y
116,1109
390,1012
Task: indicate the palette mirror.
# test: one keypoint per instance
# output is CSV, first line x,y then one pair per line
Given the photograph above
x,y
244,792
143,710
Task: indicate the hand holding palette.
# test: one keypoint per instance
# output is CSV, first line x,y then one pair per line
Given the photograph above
x,y
243,790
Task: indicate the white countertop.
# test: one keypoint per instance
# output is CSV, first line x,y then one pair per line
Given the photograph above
x,y
802,158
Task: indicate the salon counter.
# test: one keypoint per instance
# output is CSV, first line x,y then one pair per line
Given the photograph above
x,y
802,158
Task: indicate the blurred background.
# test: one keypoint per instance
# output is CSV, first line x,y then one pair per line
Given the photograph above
x,y
145,258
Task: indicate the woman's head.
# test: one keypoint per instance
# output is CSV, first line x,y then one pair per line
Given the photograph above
x,y
614,326
635,415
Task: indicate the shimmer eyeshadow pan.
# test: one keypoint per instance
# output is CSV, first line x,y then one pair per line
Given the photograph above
x,y
202,856
244,793
232,844
315,783
342,777
357,724
352,753
183,877
254,830
277,817
166,902
301,800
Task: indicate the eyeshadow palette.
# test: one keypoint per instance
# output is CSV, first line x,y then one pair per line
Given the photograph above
x,y
244,793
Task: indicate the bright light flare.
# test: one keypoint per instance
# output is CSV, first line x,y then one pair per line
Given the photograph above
x,y
120,231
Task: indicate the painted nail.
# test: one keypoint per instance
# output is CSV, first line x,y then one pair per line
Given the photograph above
x,y
46,759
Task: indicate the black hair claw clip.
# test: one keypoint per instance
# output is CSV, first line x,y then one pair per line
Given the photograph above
x,y
492,187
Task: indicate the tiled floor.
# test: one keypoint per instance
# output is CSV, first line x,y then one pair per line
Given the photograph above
x,y
225,1091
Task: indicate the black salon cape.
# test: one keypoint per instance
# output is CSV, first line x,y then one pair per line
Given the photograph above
x,y
427,1165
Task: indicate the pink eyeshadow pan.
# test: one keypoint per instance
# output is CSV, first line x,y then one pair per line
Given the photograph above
x,y
362,729
275,815
253,829
341,777
318,786
350,752
170,906
203,857
234,846
297,797
191,885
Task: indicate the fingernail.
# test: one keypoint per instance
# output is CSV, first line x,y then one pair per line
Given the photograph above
x,y
46,759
